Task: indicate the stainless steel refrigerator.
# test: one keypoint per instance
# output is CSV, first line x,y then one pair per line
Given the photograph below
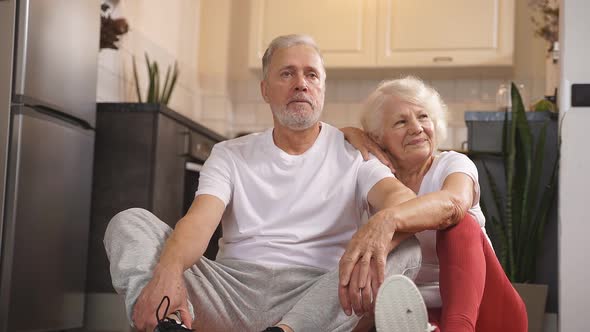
x,y
48,65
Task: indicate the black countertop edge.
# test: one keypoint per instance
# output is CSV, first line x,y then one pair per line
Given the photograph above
x,y
499,116
161,108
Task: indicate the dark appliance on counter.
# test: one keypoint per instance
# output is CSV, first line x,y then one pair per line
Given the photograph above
x,y
48,62
146,156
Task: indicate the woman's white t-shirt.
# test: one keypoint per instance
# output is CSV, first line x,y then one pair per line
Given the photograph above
x,y
444,164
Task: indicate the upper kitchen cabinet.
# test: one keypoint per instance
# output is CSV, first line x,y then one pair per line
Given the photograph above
x,y
345,30
445,33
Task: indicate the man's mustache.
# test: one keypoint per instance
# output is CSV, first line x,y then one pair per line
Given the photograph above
x,y
301,98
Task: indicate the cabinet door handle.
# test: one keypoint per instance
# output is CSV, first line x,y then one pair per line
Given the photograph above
x,y
442,59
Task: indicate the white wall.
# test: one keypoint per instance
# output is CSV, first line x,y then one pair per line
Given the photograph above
x,y
168,31
574,225
214,57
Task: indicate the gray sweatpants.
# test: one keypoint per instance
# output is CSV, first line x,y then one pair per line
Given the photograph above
x,y
236,295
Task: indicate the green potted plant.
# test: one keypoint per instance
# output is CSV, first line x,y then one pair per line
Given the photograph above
x,y
155,93
522,211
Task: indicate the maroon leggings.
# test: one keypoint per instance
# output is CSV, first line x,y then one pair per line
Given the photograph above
x,y
475,292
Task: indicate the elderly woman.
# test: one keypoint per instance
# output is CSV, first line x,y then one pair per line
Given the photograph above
x,y
461,280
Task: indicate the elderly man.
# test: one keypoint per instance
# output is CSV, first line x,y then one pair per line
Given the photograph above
x,y
289,200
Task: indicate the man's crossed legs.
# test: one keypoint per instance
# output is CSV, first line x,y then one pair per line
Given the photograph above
x,y
233,294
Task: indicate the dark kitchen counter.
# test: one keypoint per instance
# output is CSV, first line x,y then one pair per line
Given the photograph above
x,y
163,109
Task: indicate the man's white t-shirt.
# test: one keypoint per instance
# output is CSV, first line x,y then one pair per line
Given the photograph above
x,y
444,164
289,209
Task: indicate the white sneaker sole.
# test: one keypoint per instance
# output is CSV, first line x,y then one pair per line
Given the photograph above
x,y
399,307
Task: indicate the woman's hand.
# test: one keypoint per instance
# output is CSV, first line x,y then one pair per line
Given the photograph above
x,y
362,266
362,142
163,283
360,299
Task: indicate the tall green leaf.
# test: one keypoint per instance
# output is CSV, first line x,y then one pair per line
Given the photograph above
x,y
151,87
531,227
522,174
499,228
156,84
510,156
172,83
164,90
136,78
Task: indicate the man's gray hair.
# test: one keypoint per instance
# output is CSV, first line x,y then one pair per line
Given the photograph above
x,y
287,41
411,90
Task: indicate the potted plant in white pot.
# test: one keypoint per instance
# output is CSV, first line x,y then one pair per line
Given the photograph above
x,y
522,210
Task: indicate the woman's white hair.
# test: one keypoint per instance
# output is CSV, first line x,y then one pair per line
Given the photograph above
x,y
287,41
408,89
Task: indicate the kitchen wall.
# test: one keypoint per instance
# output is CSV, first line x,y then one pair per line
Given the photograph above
x,y
210,40
167,31
214,64
462,89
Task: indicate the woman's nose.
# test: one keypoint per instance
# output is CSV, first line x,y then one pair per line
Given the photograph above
x,y
415,126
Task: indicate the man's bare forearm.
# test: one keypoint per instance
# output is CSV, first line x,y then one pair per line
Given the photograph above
x,y
192,234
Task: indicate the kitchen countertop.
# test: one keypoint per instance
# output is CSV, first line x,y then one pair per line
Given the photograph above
x,y
163,109
499,116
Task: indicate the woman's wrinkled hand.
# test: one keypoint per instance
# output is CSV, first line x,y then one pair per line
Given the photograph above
x,y
359,299
366,145
362,266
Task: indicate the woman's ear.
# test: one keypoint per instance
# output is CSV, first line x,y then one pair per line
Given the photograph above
x,y
377,140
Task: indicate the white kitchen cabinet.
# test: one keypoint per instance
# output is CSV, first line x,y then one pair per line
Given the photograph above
x,y
391,33
445,33
345,30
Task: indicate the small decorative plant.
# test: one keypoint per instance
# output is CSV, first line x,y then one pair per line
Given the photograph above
x,y
523,210
546,21
111,29
155,94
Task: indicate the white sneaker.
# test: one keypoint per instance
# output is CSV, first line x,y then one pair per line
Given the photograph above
x,y
399,307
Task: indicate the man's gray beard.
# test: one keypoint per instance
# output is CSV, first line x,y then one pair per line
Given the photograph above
x,y
297,120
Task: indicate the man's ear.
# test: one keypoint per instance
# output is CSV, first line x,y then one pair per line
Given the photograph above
x,y
263,90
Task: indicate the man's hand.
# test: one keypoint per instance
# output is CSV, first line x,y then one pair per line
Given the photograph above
x,y
163,283
365,144
362,265
184,247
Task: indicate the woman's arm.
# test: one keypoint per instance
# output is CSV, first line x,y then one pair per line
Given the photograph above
x,y
436,210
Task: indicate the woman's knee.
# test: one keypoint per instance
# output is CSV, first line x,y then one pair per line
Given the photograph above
x,y
467,229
